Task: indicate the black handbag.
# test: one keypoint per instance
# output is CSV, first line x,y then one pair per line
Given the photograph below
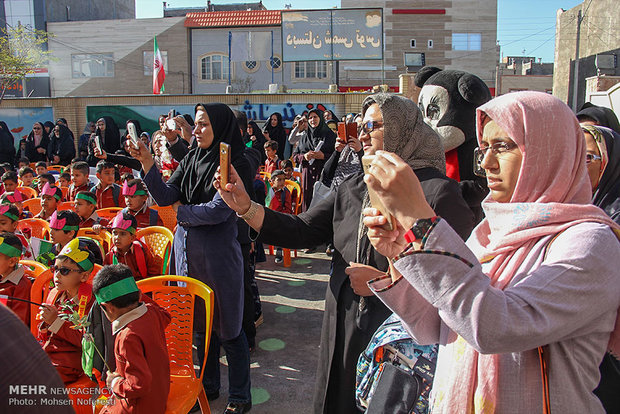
x,y
397,392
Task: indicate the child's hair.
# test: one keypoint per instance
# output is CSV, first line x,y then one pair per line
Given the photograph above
x,y
286,163
12,240
88,196
72,219
126,177
9,176
271,144
65,176
12,211
25,170
49,177
277,173
23,159
41,164
111,274
81,166
7,166
104,165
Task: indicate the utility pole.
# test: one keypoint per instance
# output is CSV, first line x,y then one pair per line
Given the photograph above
x,y
576,72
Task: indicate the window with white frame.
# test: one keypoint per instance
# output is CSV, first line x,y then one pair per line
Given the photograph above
x,y
95,65
466,41
251,66
148,61
214,67
310,70
276,63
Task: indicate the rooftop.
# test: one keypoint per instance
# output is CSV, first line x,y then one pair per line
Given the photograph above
x,y
233,18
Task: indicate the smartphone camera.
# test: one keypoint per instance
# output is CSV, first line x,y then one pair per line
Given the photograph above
x,y
171,124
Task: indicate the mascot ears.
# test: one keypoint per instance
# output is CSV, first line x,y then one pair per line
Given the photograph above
x,y
473,89
422,76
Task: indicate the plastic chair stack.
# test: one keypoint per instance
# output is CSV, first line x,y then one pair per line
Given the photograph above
x,y
179,301
160,239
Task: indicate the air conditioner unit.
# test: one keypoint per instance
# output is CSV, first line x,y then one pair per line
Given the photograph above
x,y
606,61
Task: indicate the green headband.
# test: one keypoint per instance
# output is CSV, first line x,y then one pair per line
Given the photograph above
x,y
9,215
9,250
116,290
86,197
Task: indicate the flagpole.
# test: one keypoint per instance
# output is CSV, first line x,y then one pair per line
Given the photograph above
x,y
229,46
271,62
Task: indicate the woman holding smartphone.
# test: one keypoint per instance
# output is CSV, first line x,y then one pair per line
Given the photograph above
x,y
205,243
352,314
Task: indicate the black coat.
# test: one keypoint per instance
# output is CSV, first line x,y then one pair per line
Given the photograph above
x,y
63,146
338,216
7,144
31,150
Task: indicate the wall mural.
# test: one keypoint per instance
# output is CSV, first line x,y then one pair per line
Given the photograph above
x,y
20,120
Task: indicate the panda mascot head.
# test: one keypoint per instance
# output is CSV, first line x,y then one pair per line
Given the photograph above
x,y
448,100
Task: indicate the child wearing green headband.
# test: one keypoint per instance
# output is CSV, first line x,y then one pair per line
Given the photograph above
x,y
141,379
71,293
136,195
85,205
13,282
63,234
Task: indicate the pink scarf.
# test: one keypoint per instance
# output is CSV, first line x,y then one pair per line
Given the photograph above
x,y
553,193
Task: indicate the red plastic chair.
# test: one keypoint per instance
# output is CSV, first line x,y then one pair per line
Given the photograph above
x,y
38,227
179,301
168,216
28,192
108,213
33,205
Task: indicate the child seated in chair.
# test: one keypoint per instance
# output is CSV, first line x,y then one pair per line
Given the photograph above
x,y
9,180
13,283
130,251
64,180
136,195
26,176
46,178
79,179
107,191
280,201
141,380
71,293
85,205
40,168
50,197
64,225
17,199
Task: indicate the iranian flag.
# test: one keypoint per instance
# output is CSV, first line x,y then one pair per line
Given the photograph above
x,y
158,70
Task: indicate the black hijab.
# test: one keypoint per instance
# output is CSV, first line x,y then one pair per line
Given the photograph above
x,y
276,133
7,142
194,177
31,149
607,194
50,125
111,137
310,140
259,144
602,116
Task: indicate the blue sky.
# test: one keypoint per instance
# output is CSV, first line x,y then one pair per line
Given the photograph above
x,y
524,27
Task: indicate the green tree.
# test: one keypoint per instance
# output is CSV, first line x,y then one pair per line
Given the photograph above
x,y
22,51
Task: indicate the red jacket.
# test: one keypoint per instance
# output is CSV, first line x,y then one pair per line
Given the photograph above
x,y
17,285
143,217
276,203
139,258
73,190
141,361
105,197
92,220
62,343
272,165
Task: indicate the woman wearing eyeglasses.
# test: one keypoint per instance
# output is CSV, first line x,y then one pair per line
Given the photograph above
x,y
37,143
537,283
352,313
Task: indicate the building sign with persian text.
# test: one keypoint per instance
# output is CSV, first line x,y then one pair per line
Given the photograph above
x,y
338,34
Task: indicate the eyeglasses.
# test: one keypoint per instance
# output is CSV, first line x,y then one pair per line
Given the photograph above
x,y
62,270
370,126
592,157
36,128
497,148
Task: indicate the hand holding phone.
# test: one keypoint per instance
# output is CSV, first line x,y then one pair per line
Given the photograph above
x,y
170,122
133,134
224,164
375,201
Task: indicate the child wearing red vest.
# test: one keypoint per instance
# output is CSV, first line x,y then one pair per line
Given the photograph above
x,y
14,285
107,191
85,205
136,195
141,380
50,197
9,217
129,251
72,293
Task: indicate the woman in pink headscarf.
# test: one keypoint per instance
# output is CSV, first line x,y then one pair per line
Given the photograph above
x,y
541,270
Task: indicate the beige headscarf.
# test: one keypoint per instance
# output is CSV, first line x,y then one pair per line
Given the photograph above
x,y
405,133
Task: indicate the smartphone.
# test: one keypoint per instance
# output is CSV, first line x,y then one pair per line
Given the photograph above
x,y
98,145
346,130
170,122
133,135
224,163
375,201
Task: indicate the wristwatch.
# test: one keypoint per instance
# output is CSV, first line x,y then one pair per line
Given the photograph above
x,y
419,229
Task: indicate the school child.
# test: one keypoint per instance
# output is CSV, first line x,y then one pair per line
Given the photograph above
x,y
141,380
130,251
272,162
107,191
64,226
280,201
64,179
50,197
287,167
9,217
125,177
136,195
40,168
72,293
79,179
13,282
23,162
26,176
85,205
45,178
9,179
16,199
